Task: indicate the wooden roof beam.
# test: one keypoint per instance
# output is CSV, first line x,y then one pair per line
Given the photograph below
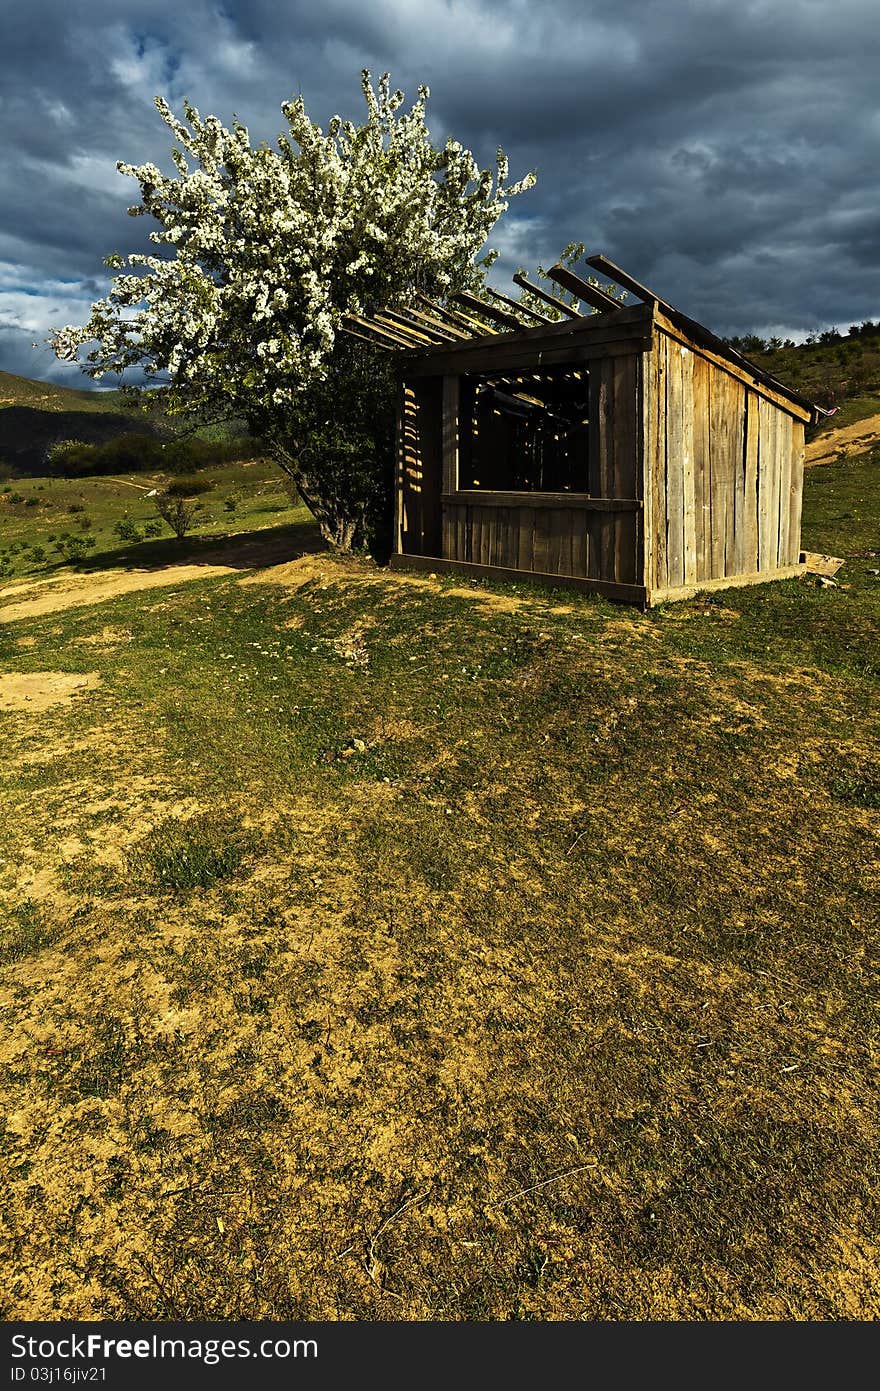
x,y
500,316
421,337
520,308
525,284
591,294
628,282
459,319
386,347
455,335
384,333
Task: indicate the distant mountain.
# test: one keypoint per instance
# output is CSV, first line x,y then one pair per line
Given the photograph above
x,y
34,415
47,396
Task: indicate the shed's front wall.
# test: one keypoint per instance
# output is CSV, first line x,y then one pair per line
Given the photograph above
x,y
724,474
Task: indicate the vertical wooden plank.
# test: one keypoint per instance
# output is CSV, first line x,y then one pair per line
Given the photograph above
x,y
750,559
702,477
661,543
733,531
541,555
646,463
766,472
450,457
687,466
601,463
525,538
624,420
674,466
404,395
796,493
783,440
468,533
721,472
485,553
460,532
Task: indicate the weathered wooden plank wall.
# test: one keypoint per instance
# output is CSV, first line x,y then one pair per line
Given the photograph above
x,y
420,467
724,472
562,534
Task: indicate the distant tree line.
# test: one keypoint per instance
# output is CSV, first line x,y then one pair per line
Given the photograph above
x,y
72,458
754,343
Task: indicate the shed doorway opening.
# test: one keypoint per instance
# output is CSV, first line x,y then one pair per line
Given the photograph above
x,y
525,432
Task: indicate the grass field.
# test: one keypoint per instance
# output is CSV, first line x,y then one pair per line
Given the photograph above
x,y
389,947
43,520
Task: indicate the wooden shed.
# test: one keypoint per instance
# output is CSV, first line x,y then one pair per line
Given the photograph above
x,y
627,451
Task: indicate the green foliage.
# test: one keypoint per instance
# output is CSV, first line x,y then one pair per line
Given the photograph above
x,y
178,512
128,530
188,487
336,445
74,547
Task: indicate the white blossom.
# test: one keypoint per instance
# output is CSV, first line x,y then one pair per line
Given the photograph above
x,y
262,251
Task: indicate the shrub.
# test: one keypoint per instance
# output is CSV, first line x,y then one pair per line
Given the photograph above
x,y
128,530
129,454
178,512
32,502
74,547
152,528
188,487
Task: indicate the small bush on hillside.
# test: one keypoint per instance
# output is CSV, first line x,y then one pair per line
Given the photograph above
x,y
128,530
129,454
178,512
188,487
74,547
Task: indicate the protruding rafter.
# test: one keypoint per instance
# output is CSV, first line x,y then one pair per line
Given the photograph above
x,y
500,316
525,284
591,294
386,334
627,282
519,307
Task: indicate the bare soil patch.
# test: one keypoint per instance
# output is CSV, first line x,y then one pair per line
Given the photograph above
x,y
37,690
849,439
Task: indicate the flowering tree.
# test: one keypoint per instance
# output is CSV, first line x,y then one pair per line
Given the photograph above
x,y
262,251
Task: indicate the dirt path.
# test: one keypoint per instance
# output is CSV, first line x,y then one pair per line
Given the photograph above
x,y
239,555
78,591
849,439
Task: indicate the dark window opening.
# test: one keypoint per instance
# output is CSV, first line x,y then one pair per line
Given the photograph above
x,y
524,431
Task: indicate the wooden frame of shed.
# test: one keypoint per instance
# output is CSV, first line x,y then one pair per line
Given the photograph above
x,y
691,458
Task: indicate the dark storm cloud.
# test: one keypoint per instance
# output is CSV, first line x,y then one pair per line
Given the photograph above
x,y
727,155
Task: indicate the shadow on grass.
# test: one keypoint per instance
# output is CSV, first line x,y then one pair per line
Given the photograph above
x,y
244,549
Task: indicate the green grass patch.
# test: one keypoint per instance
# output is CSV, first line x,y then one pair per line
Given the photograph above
x,y
197,853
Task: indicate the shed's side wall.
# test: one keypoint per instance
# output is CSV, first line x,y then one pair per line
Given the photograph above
x,y
724,474
419,466
597,537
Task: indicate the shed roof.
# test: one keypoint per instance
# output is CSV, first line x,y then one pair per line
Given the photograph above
x,y
429,334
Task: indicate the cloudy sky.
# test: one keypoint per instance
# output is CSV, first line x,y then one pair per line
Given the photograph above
x,y
725,154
